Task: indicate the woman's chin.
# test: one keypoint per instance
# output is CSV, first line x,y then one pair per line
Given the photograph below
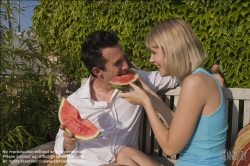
x,y
163,74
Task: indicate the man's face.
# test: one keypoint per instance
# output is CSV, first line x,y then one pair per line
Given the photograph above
x,y
116,62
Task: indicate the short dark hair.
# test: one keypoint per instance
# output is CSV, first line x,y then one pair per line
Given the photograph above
x,y
91,53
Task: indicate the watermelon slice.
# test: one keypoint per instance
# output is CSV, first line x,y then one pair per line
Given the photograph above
x,y
69,116
122,82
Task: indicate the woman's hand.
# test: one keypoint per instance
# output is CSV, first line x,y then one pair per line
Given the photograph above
x,y
144,86
137,96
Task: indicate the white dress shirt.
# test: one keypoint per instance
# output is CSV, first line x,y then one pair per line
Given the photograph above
x,y
118,122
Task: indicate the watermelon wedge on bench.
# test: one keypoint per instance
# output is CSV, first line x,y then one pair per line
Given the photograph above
x,y
69,116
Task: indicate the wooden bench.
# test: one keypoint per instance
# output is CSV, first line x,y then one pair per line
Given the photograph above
x,y
238,107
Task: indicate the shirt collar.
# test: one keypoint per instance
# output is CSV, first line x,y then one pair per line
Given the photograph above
x,y
85,93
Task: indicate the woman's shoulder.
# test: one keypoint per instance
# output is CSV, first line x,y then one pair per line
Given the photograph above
x,y
196,80
200,85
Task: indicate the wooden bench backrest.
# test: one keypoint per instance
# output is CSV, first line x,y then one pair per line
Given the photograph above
x,y
238,108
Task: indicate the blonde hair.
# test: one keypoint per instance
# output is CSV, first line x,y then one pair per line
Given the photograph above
x,y
183,51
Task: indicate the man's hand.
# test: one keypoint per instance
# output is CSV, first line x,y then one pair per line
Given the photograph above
x,y
214,71
69,140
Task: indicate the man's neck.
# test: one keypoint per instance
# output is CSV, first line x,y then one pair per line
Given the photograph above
x,y
100,90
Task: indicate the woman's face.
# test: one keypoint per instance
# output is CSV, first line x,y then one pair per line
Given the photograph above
x,y
158,59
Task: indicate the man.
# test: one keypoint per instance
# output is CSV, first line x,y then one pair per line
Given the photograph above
x,y
100,103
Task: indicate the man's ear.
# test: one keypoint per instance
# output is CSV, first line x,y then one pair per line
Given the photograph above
x,y
97,72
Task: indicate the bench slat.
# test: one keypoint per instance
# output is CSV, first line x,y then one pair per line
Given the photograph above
x,y
141,129
237,93
148,137
176,98
235,119
156,148
167,100
246,118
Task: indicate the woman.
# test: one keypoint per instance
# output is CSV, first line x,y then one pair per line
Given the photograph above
x,y
199,125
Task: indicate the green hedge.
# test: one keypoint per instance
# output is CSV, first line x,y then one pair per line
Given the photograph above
x,y
222,27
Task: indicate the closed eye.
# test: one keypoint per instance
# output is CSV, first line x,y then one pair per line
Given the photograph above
x,y
118,63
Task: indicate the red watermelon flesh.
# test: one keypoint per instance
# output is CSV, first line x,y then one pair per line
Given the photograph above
x,y
81,128
121,82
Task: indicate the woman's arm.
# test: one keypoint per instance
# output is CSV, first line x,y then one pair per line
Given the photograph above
x,y
162,110
188,109
191,102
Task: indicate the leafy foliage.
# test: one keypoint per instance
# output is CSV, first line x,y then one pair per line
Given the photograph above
x,y
29,103
222,27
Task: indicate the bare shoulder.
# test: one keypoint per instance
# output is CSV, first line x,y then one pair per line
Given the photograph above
x,y
201,86
194,81
194,93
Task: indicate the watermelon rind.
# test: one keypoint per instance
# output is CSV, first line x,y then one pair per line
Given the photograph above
x,y
81,123
84,138
124,86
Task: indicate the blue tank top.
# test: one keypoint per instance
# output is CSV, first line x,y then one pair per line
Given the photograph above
x,y
206,146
